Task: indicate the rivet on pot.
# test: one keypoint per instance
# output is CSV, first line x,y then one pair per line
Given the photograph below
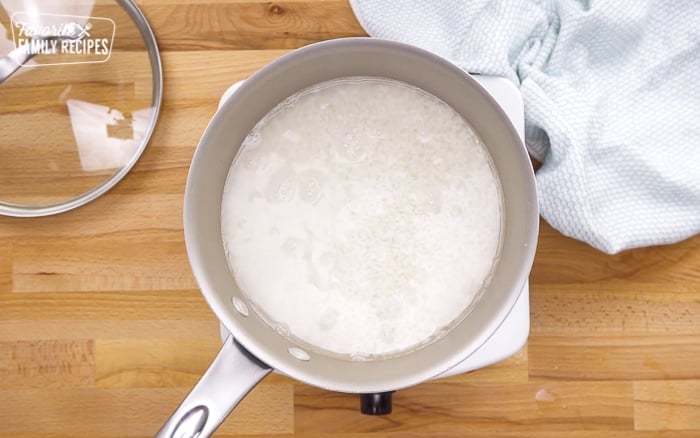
x,y
240,306
299,353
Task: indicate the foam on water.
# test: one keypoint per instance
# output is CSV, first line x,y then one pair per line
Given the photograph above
x,y
362,217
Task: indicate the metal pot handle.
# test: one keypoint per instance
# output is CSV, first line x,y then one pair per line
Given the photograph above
x,y
230,376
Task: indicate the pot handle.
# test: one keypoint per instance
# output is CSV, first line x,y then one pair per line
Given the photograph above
x,y
232,373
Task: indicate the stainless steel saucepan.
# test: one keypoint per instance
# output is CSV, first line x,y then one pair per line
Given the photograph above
x,y
256,348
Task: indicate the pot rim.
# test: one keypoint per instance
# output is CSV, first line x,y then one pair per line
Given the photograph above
x,y
379,374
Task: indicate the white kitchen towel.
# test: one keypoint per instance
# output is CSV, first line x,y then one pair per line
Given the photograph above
x,y
612,101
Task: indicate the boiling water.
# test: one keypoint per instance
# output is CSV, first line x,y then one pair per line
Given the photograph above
x,y
362,216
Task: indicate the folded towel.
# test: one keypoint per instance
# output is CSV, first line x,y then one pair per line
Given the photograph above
x,y
612,101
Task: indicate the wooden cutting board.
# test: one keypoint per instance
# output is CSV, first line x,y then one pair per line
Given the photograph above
x,y
103,331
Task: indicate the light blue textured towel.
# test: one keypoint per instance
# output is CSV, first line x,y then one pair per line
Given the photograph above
x,y
612,101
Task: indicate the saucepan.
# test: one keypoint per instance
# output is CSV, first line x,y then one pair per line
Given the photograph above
x,y
255,348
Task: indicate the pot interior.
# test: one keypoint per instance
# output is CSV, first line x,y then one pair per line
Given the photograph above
x,y
299,70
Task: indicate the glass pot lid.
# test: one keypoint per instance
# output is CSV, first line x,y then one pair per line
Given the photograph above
x,y
80,92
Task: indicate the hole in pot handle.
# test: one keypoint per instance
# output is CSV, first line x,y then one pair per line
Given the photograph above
x,y
232,373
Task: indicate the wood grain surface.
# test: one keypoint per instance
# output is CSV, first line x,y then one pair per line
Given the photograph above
x,y
103,331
